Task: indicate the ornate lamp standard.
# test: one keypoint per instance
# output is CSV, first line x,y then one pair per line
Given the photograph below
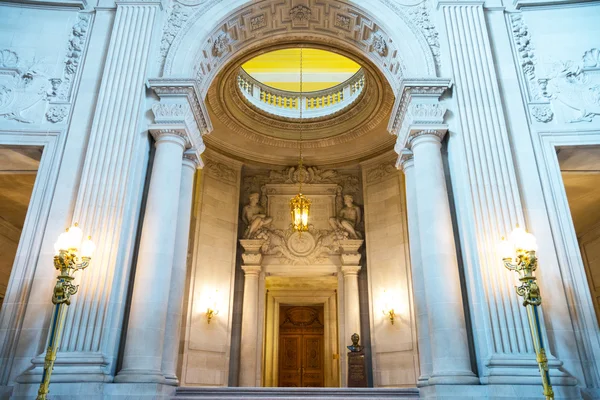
x,y
518,254
71,255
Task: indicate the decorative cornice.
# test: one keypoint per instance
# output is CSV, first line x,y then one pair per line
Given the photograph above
x,y
171,87
418,108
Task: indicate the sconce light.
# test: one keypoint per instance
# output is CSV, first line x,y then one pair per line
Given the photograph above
x,y
212,309
388,308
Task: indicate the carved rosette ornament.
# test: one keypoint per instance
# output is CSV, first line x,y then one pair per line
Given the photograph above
x,y
57,114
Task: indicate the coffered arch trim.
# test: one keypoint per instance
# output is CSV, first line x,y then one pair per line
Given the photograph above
x,y
211,37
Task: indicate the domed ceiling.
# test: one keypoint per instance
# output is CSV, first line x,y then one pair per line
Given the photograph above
x,y
240,104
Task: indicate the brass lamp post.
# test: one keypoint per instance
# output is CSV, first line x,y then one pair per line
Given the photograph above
x,y
71,255
518,254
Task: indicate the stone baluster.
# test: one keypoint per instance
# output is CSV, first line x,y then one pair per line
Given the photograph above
x,y
178,274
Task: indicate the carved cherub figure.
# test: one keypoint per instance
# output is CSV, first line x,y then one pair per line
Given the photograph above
x,y
348,218
254,216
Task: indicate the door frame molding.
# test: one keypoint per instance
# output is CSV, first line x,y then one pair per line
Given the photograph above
x,y
583,316
30,244
270,361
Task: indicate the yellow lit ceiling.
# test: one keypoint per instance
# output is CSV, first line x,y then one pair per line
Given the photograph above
x,y
321,69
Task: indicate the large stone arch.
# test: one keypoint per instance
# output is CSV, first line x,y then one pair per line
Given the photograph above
x,y
201,37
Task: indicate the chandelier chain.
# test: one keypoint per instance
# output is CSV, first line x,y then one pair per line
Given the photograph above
x,y
301,107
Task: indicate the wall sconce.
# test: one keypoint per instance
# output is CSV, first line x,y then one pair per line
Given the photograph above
x,y
212,309
388,308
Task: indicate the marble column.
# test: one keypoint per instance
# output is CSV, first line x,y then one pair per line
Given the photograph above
x,y
249,340
178,273
418,278
351,301
142,357
350,258
449,339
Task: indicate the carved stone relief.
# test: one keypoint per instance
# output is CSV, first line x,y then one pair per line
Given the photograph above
x,y
381,171
220,171
300,13
418,13
291,175
339,20
541,110
22,86
333,222
575,86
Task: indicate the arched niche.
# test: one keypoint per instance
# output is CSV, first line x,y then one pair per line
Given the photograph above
x,y
203,37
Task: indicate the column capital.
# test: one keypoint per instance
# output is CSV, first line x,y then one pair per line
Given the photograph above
x,y
405,160
252,258
166,133
435,134
418,108
251,269
192,159
349,270
180,107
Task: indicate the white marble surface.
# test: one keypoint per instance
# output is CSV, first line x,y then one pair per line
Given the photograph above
x,y
501,164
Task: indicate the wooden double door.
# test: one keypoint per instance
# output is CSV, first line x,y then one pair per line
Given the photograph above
x,y
301,348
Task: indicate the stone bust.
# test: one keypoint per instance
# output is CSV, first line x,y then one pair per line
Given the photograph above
x,y
254,216
355,348
348,218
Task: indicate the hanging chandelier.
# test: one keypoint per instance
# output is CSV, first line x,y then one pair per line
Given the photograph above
x,y
300,204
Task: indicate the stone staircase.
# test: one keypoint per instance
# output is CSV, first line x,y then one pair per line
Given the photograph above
x,y
235,393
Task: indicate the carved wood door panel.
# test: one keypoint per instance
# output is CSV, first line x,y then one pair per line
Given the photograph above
x,y
301,348
290,361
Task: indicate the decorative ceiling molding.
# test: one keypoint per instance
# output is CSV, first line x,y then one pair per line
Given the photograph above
x,y
228,105
336,21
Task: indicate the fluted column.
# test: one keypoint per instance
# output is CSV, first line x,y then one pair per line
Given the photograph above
x,y
418,278
142,357
178,274
449,339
